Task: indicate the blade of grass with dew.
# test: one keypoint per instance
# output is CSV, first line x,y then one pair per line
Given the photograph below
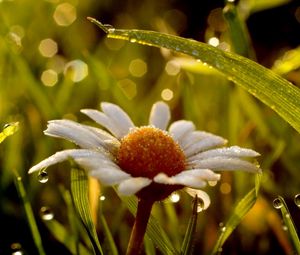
x,y
30,216
8,130
66,238
154,230
187,245
109,241
288,222
267,86
238,214
79,189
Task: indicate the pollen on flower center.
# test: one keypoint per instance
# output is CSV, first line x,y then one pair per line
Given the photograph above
x,y
147,151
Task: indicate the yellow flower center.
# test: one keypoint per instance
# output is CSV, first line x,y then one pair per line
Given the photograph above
x,y
147,151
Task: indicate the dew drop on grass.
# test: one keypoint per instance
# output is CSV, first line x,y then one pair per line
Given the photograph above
x,y
16,249
277,203
43,176
133,40
297,200
46,213
200,205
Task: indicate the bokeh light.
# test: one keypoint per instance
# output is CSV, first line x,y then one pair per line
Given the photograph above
x,y
76,70
48,48
167,94
137,67
49,77
65,14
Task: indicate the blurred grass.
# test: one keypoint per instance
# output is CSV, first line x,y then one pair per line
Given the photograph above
x,y
198,93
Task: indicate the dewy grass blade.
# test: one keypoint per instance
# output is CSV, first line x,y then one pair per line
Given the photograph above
x,y
264,84
187,245
79,189
288,222
8,130
154,230
238,214
30,216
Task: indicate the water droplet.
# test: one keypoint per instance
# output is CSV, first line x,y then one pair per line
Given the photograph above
x,y
287,215
223,229
284,227
43,176
220,249
16,249
133,40
110,28
297,200
277,203
102,198
46,213
212,183
200,205
195,52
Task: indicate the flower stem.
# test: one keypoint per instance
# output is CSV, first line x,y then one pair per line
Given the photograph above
x,y
139,227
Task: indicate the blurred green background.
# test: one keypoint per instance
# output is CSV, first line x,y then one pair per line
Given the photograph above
x,y
53,62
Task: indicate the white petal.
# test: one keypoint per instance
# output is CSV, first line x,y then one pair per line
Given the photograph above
x,y
109,175
133,185
195,178
195,136
79,134
118,117
200,194
225,163
160,115
65,155
180,128
233,151
118,128
207,143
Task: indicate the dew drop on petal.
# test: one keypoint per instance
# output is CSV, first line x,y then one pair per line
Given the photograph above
x,y
277,203
174,197
43,176
46,213
297,200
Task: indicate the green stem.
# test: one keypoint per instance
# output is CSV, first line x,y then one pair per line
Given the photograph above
x,y
139,227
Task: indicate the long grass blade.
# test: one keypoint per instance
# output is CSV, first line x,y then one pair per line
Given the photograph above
x,y
187,245
79,189
289,223
264,84
238,214
30,216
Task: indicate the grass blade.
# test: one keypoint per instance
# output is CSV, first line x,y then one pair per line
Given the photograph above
x,y
66,238
238,214
8,130
30,216
187,245
288,222
79,189
267,86
110,243
154,230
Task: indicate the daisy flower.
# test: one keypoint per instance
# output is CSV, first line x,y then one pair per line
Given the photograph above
x,y
149,161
